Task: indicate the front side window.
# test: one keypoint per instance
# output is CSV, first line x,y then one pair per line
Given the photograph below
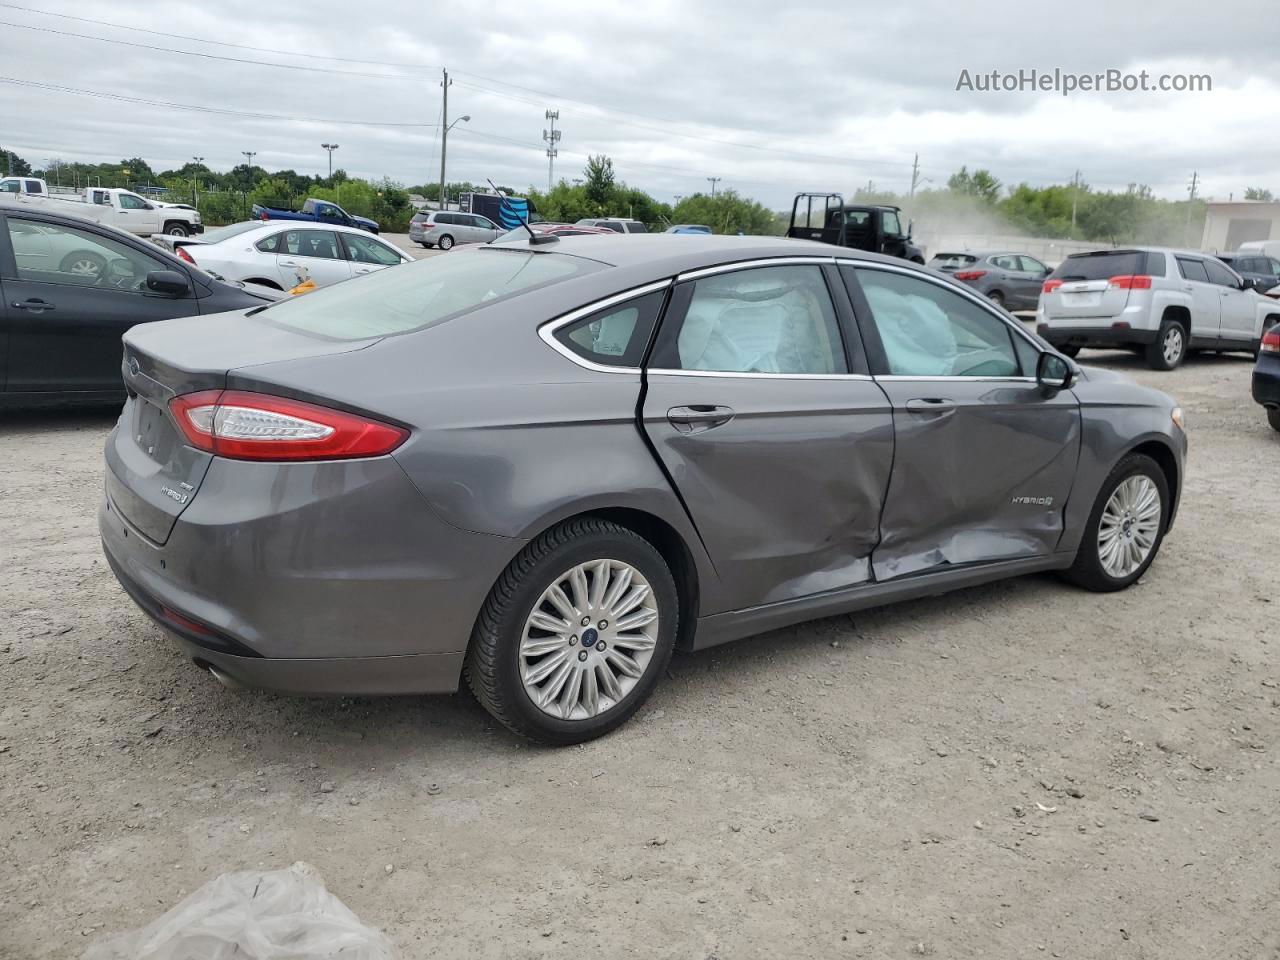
x,y
52,253
423,293
929,331
1221,275
129,202
761,320
616,336
364,249
1006,263
329,212
322,244
892,226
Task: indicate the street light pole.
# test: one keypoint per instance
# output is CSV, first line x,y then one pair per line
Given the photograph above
x,y
713,181
330,147
193,181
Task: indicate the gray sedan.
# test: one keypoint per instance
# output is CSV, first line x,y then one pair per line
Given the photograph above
x,y
1011,280
544,467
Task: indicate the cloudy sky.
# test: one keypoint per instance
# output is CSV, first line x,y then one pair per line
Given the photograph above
x,y
772,97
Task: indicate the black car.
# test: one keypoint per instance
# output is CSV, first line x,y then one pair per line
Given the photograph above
x,y
1261,271
69,288
1266,376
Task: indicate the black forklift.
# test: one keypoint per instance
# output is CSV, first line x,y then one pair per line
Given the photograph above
x,y
863,226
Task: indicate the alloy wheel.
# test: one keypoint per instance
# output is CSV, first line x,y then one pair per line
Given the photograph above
x,y
85,267
1173,343
1129,526
589,639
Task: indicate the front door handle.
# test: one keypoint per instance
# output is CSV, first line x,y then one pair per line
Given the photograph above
x,y
34,305
931,406
699,416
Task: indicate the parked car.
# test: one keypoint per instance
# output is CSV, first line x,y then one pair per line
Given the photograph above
x,y
874,227
687,228
1261,271
521,235
69,288
1266,375
1161,303
283,256
445,229
616,224
317,211
1011,280
113,207
552,465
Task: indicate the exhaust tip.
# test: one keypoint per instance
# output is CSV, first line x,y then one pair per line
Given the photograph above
x,y
221,677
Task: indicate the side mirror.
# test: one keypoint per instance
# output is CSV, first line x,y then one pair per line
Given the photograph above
x,y
169,282
1054,373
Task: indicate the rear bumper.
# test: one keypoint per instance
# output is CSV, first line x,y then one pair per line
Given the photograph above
x,y
1266,380
1099,336
331,578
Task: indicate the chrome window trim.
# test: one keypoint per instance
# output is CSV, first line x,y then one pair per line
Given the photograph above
x,y
980,301
547,330
956,378
751,264
754,375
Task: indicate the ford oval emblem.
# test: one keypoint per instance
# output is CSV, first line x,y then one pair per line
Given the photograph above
x,y
134,367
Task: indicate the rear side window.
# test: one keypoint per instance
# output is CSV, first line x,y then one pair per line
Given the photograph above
x,y
270,244
615,227
616,336
1007,263
758,320
636,226
1192,269
1156,264
1101,266
423,293
35,186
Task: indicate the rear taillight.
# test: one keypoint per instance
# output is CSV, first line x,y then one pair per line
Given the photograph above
x,y
256,426
969,274
1271,340
1050,286
1135,282
181,254
265,216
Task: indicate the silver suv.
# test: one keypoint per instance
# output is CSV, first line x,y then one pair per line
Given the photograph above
x,y
1159,302
444,228
616,224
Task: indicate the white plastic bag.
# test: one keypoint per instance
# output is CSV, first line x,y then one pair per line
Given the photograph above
x,y
253,915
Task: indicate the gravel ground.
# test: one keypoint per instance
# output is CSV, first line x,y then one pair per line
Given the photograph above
x,y
1012,769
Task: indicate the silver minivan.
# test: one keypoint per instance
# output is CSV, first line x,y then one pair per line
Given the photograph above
x,y
445,228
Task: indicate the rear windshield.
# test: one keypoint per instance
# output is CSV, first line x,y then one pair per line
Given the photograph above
x,y
416,295
225,233
952,261
1101,266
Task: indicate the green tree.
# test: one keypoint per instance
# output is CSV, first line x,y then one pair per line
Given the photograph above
x,y
599,180
980,184
1257,193
726,212
11,163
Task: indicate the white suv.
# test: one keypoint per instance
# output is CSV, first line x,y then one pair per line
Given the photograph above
x,y
1161,303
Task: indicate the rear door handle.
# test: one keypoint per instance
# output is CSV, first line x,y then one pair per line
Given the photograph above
x,y
699,416
33,304
931,406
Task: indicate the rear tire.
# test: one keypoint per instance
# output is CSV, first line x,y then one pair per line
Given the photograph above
x,y
1071,351
423,244
1169,348
445,242
83,263
1273,418
996,297
1092,568
503,673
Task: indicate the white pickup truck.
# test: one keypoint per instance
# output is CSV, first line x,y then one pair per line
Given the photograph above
x,y
112,206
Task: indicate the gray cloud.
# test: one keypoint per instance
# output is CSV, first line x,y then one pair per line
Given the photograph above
x,y
772,98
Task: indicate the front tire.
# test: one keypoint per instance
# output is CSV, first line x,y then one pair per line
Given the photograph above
x,y
575,634
1070,350
1169,348
445,242
84,264
176,229
1125,528
1273,418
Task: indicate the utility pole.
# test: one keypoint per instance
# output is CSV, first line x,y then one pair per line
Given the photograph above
x,y
1191,199
330,147
915,176
248,156
552,137
1075,195
679,197
713,181
444,130
193,180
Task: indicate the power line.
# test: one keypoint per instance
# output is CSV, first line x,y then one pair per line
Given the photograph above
x,y
209,56
219,43
201,109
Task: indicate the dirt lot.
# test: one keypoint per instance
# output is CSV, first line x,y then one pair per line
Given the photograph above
x,y
1004,771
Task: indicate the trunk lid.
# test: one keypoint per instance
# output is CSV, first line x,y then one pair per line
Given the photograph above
x,y
152,474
